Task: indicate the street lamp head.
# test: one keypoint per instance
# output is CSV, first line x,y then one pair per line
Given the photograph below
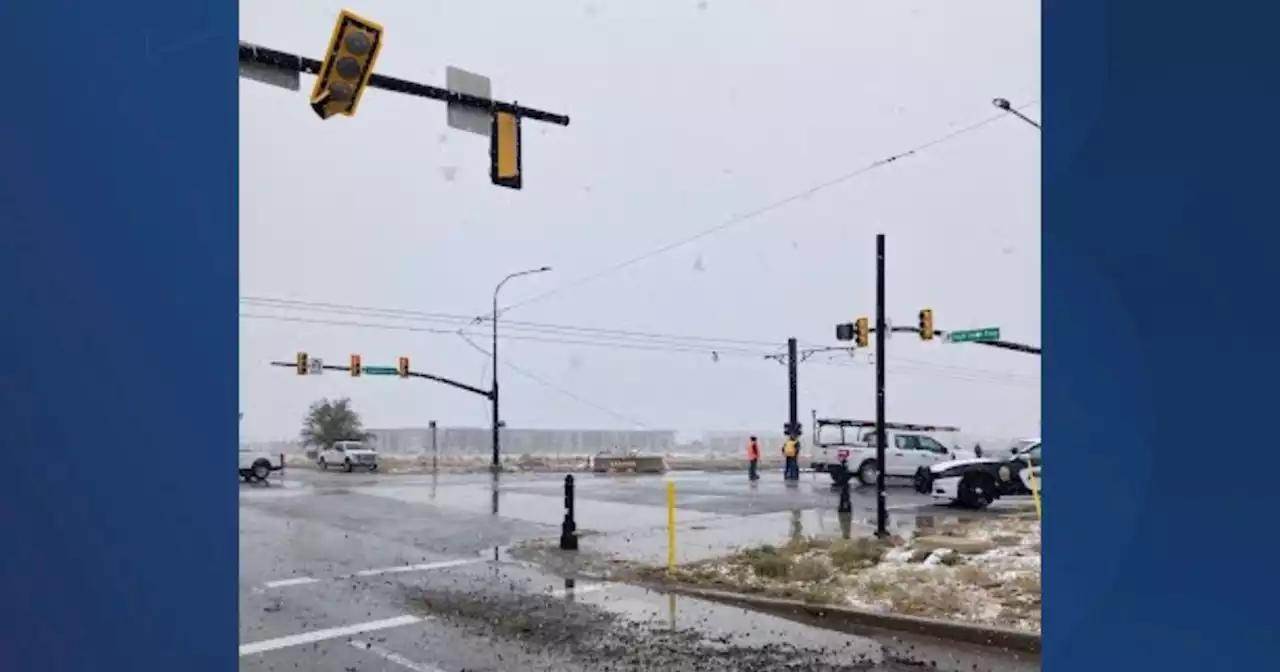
x,y
1002,104
544,269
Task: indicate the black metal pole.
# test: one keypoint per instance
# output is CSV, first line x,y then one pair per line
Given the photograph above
x,y
568,528
435,448
882,512
793,394
493,388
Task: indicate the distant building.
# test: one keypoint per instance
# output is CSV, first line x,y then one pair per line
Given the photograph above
x,y
517,441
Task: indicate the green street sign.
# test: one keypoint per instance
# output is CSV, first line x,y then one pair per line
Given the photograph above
x,y
380,371
974,335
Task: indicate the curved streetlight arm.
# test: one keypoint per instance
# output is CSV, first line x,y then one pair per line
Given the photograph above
x,y
493,390
1008,107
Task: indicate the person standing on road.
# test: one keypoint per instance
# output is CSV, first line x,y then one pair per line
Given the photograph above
x,y
753,459
791,468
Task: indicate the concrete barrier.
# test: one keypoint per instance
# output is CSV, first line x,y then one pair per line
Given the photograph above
x,y
629,464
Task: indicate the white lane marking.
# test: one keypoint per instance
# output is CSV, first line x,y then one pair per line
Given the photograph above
x,y
393,657
424,567
400,569
328,633
299,581
578,590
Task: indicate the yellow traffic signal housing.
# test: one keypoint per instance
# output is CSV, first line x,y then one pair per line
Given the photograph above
x,y
403,367
347,66
302,364
504,150
355,366
861,332
926,325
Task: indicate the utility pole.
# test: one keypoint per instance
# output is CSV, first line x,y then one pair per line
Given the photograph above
x,y
793,392
882,334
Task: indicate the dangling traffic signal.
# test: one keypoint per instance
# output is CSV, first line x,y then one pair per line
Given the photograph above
x,y
303,364
504,150
355,366
862,332
347,66
403,367
926,324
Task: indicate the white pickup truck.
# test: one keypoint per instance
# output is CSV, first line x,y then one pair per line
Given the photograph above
x,y
907,447
256,466
349,455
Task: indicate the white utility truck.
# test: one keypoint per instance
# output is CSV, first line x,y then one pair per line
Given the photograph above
x,y
907,447
256,465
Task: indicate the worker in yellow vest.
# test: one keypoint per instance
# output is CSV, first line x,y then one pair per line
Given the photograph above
x,y
791,467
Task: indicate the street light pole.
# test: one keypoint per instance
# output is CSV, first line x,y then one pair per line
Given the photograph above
x,y
493,390
1008,107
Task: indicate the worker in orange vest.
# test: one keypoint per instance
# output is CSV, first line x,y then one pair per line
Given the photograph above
x,y
753,459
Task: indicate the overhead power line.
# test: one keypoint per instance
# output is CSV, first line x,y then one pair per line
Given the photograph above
x,y
752,214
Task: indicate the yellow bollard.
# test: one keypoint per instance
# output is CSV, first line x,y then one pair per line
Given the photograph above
x,y
671,527
1035,489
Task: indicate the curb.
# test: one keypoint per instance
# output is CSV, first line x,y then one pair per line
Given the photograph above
x,y
1005,638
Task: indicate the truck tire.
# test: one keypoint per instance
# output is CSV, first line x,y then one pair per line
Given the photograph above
x,y
324,466
868,471
346,465
261,470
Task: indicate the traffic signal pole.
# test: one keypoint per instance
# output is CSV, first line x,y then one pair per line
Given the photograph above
x,y
882,509
271,58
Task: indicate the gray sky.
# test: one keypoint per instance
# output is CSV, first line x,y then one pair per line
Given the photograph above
x,y
685,114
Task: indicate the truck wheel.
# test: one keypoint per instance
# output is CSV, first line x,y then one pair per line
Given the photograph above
x,y
373,467
976,491
868,472
261,469
346,465
324,466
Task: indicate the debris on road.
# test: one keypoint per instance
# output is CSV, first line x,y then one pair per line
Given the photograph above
x,y
978,571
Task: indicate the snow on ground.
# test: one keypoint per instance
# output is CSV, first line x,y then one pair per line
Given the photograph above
x,y
982,571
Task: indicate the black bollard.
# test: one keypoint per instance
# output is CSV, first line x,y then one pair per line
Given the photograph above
x,y
568,529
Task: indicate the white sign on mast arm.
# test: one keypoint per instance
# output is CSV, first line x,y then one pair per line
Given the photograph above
x,y
465,118
315,366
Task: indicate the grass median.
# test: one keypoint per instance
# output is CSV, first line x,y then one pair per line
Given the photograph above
x,y
980,571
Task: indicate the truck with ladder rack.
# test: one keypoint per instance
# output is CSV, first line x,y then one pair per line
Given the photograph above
x,y
908,447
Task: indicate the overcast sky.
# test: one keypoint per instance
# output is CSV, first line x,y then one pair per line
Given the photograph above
x,y
685,115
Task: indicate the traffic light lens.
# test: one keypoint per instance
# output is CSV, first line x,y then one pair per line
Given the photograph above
x,y
341,92
358,43
348,68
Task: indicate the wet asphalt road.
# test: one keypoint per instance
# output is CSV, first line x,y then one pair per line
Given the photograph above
x,y
365,572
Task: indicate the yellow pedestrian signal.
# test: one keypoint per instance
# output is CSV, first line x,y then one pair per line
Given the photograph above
x,y
403,367
355,366
303,364
347,66
861,333
504,150
926,324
